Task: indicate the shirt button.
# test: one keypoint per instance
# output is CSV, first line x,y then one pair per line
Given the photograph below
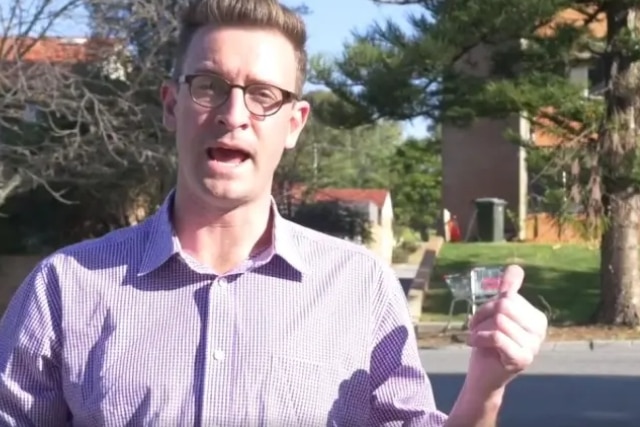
x,y
222,282
218,355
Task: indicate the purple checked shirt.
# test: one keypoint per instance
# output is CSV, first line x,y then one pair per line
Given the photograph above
x,y
128,330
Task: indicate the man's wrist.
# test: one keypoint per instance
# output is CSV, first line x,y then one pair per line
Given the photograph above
x,y
474,409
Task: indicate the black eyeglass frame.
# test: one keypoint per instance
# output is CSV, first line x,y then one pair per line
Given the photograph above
x,y
287,96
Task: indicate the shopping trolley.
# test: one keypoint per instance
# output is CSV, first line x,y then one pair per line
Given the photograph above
x,y
475,287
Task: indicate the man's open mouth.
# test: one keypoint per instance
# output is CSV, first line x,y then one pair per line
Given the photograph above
x,y
226,155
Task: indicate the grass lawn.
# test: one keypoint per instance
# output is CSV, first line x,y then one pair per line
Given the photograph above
x,y
565,276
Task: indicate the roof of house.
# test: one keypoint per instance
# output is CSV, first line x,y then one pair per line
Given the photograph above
x,y
54,49
376,196
545,133
597,27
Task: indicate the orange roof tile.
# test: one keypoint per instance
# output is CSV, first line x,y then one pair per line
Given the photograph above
x,y
376,196
54,49
597,27
546,133
373,195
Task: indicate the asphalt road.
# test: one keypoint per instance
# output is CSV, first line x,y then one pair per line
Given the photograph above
x,y
564,388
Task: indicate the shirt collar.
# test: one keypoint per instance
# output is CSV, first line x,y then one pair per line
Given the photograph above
x,y
162,242
284,240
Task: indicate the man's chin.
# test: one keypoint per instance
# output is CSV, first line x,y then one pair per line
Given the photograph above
x,y
227,192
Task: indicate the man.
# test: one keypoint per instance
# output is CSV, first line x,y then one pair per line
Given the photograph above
x,y
218,312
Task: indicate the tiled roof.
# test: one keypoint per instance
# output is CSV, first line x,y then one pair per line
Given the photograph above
x,y
597,27
545,133
55,49
376,196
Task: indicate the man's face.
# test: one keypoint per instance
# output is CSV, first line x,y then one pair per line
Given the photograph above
x,y
227,155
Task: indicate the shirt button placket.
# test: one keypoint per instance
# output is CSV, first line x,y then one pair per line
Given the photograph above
x,y
219,335
221,283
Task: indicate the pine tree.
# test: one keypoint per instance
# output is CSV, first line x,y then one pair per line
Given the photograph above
x,y
533,45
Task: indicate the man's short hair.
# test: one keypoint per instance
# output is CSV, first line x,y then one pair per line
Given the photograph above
x,y
263,14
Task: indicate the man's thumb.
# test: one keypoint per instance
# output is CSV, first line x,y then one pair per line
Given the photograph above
x,y
512,279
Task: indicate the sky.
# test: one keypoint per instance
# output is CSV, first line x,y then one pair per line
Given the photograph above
x,y
329,24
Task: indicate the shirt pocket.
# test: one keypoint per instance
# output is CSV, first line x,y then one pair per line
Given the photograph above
x,y
302,392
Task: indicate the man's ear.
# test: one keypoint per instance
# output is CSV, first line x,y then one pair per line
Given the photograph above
x,y
169,97
299,116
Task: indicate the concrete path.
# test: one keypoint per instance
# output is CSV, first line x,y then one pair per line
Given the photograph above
x,y
406,273
568,386
415,279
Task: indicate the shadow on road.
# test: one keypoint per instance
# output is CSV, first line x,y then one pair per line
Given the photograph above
x,y
557,400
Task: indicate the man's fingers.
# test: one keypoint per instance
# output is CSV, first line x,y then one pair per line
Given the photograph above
x,y
515,345
513,357
510,284
502,324
516,307
512,280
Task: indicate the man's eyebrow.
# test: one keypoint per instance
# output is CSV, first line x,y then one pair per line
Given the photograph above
x,y
210,69
207,69
256,80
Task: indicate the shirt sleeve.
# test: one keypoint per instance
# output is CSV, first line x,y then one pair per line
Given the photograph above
x,y
402,393
30,386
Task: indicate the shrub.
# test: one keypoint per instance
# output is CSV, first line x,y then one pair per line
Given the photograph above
x,y
400,255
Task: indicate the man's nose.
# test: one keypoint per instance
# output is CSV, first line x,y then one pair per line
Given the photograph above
x,y
233,114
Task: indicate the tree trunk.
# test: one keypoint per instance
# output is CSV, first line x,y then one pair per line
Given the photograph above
x,y
619,265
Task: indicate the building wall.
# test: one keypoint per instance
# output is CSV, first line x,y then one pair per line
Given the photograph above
x,y
479,161
383,239
386,213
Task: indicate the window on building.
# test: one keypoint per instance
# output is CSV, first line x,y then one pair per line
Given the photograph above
x,y
596,78
590,76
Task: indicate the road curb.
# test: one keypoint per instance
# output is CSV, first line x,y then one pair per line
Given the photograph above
x,y
576,345
560,346
591,345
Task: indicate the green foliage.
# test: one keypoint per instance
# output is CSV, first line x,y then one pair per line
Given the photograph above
x,y
464,60
400,255
407,238
408,241
336,219
385,72
562,280
366,156
416,184
329,156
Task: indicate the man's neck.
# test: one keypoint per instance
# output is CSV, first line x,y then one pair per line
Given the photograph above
x,y
222,238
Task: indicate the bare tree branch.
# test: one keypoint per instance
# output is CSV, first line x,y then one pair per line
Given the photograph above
x,y
79,113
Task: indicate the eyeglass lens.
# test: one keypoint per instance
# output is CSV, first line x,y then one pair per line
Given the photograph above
x,y
212,91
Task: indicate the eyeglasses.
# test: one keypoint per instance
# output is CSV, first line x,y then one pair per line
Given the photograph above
x,y
211,91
